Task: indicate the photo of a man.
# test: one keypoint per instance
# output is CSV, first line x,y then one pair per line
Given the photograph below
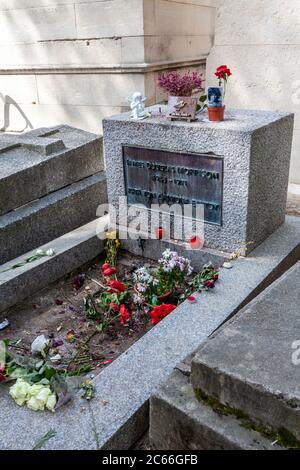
x,y
215,97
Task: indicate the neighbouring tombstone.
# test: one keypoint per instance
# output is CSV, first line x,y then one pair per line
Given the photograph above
x,y
236,170
51,182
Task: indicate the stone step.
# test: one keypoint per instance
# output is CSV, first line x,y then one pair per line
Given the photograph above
x,y
44,160
51,216
179,421
251,364
71,251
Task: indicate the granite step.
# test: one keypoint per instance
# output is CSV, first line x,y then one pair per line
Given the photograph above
x,y
53,215
251,364
179,421
71,250
45,160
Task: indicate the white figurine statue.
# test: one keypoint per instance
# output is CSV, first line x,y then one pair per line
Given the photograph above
x,y
137,106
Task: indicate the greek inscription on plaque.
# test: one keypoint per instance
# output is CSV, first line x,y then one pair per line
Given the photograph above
x,y
163,177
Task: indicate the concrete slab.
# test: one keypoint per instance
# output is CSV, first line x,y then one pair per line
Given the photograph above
x,y
178,421
49,217
126,385
72,250
44,160
248,364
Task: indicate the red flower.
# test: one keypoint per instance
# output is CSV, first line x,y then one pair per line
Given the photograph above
x,y
109,272
105,266
125,314
78,281
159,233
216,277
2,376
114,307
161,311
223,72
116,285
195,242
191,298
209,284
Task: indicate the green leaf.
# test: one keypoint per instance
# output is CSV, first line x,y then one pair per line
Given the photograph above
x,y
49,373
51,433
203,98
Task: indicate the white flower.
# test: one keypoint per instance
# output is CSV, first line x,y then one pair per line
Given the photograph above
x,y
51,402
55,358
37,397
50,252
19,391
39,345
40,252
141,288
171,260
227,265
35,405
138,299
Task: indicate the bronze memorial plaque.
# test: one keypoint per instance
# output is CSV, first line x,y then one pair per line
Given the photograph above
x,y
163,177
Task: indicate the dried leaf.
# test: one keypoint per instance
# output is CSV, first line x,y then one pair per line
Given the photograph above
x,y
70,336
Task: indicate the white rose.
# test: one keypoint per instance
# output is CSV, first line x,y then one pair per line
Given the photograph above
x,y
56,358
41,397
19,391
40,252
35,405
50,252
51,402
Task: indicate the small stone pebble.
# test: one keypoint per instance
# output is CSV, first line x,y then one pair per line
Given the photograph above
x,y
227,265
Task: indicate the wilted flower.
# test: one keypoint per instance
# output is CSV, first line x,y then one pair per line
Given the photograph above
x,y
109,272
78,281
125,314
105,266
2,376
111,235
116,285
39,345
113,306
50,252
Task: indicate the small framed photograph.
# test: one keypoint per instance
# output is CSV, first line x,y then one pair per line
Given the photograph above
x,y
215,97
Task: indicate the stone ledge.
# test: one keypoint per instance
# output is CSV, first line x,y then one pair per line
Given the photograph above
x,y
72,250
51,216
178,421
247,365
108,69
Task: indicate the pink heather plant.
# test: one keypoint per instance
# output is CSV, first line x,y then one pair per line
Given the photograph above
x,y
177,84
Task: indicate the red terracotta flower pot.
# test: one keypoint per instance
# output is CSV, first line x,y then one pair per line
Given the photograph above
x,y
216,114
165,296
